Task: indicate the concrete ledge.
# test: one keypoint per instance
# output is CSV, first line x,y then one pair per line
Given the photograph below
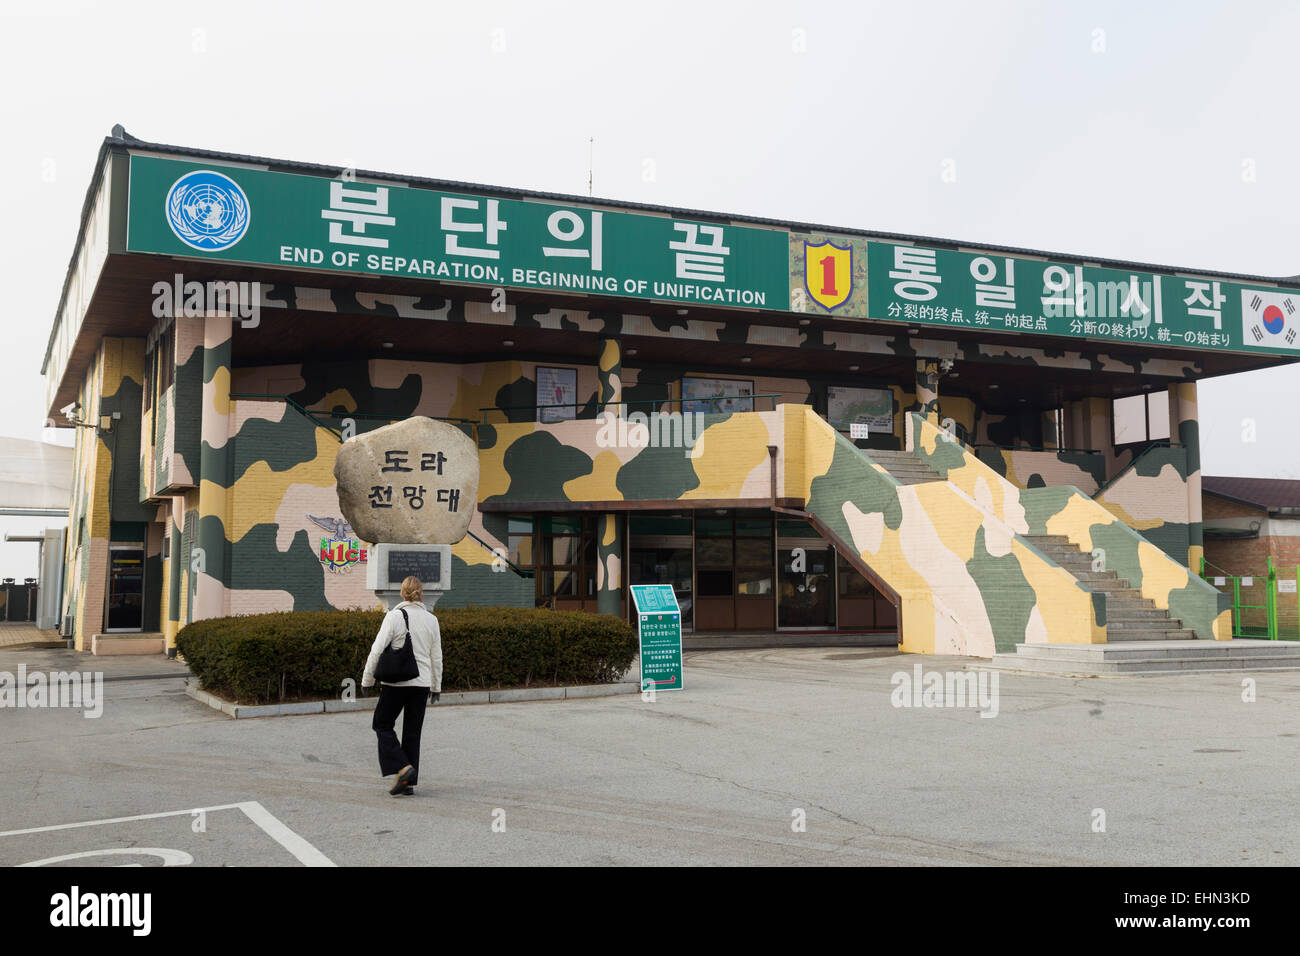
x,y
463,697
348,706
525,693
513,695
128,644
601,690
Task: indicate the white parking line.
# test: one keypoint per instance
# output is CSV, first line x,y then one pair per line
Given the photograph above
x,y
300,849
304,852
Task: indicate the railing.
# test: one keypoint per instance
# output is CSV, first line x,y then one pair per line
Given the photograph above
x,y
601,406
1133,464
1072,451
1272,627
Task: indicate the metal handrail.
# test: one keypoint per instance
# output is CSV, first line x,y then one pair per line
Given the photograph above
x,y
1159,443
1073,451
644,401
522,572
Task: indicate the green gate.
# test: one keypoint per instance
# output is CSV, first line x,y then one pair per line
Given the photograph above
x,y
1264,606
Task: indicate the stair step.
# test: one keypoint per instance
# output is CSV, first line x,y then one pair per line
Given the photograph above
x,y
1150,657
1153,634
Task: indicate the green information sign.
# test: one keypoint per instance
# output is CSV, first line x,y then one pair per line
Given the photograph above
x,y
1009,294
246,215
659,626
851,277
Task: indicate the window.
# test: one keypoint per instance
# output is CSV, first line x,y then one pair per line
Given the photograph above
x,y
1140,418
165,358
519,540
566,556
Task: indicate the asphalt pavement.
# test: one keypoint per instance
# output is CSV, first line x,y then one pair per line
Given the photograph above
x,y
783,756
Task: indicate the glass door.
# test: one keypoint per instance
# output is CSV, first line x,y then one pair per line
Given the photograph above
x,y
807,585
660,553
125,588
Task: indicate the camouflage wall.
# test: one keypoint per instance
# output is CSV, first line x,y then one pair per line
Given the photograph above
x,y
1151,496
105,494
1035,469
1089,526
250,478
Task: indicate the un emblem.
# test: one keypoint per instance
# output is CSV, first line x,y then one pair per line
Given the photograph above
x,y
207,211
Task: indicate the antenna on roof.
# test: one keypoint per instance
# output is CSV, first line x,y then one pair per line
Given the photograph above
x,y
591,152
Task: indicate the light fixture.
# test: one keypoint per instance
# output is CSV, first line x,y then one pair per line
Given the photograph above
x,y
508,343
852,368
388,345
629,352
746,359
805,321
994,385
682,311
913,331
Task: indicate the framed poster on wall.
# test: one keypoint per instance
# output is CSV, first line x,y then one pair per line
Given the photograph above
x,y
871,409
714,396
556,387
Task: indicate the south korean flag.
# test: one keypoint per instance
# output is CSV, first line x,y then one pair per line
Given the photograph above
x,y
1271,319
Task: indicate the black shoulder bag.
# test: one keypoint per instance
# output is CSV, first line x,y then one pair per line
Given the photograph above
x,y
398,664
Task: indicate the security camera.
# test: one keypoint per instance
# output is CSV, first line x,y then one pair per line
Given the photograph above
x,y
70,410
945,365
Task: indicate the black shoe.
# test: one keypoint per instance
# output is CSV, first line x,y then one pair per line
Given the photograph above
x,y
408,791
402,781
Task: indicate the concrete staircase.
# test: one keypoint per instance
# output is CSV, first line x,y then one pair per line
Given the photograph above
x,y
906,468
1129,616
1149,657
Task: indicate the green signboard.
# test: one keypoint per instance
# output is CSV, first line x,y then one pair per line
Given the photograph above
x,y
1007,294
852,277
659,626
246,215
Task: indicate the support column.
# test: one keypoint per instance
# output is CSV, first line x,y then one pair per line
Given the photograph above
x,y
175,522
1099,430
609,569
210,561
927,390
1075,436
1185,429
610,373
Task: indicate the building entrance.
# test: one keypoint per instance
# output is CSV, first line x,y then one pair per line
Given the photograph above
x,y
125,589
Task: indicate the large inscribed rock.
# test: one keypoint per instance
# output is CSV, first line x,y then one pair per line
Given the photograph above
x,y
412,482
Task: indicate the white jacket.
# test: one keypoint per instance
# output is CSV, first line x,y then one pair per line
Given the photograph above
x,y
426,642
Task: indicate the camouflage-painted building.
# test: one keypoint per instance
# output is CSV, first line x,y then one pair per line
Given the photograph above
x,y
797,426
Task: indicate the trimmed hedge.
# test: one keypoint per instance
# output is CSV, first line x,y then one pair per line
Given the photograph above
x,y
306,655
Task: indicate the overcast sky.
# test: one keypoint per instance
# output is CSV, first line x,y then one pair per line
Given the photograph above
x,y
1158,132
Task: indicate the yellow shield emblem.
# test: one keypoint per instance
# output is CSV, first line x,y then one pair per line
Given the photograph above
x,y
828,273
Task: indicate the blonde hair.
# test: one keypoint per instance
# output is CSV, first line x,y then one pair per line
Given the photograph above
x,y
412,590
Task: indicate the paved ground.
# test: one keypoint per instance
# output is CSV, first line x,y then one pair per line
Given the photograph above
x,y
1186,772
13,633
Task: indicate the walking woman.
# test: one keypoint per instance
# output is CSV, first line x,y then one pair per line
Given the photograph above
x,y
408,697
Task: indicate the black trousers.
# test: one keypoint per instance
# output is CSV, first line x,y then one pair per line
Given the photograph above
x,y
411,703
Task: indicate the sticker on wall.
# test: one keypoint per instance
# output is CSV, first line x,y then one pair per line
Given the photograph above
x,y
828,273
339,551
